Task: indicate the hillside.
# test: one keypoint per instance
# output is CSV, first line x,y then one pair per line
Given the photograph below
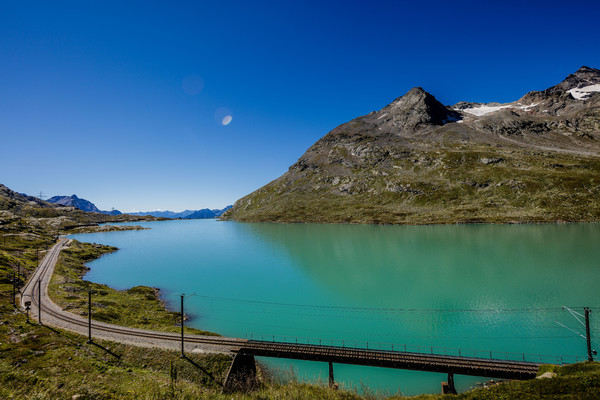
x,y
417,161
19,211
41,362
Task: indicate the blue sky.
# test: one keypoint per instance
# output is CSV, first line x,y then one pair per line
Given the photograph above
x,y
123,103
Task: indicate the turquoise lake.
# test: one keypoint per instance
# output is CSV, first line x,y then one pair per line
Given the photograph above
x,y
498,288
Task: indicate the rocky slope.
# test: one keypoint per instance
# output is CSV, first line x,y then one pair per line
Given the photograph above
x,y
417,161
19,212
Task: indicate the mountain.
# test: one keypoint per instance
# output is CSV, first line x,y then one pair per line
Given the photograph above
x,y
417,161
207,213
165,214
74,201
19,210
82,204
187,214
112,212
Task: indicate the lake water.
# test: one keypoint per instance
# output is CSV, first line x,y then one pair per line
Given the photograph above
x,y
496,288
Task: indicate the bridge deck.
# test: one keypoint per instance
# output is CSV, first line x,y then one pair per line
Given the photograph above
x,y
394,359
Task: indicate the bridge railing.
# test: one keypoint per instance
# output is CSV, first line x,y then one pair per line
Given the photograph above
x,y
433,350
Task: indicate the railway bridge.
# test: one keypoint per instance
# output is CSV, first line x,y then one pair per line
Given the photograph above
x,y
243,366
243,369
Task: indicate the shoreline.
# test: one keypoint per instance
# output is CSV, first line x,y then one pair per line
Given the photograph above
x,y
137,299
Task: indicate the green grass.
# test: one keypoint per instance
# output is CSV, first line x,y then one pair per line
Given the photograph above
x,y
38,362
138,307
442,187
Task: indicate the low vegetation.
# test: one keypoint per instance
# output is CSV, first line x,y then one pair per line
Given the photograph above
x,y
453,184
138,307
43,363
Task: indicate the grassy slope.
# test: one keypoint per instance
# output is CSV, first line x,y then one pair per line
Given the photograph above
x,y
38,362
450,185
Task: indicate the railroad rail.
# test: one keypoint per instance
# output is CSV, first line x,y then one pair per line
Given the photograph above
x,y
394,359
51,313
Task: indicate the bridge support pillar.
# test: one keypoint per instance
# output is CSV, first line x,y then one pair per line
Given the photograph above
x,y
448,387
241,376
332,384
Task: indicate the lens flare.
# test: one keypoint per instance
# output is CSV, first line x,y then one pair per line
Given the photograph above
x,y
223,116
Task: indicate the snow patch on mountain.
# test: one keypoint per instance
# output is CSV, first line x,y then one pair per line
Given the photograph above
x,y
483,110
487,109
584,92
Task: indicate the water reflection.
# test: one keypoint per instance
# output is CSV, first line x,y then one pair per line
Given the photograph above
x,y
487,287
441,267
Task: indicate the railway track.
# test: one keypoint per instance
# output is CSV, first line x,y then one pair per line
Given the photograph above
x,y
395,359
52,314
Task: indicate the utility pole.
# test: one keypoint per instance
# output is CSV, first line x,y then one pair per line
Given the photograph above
x,y
14,294
90,316
41,196
27,308
587,334
182,353
40,301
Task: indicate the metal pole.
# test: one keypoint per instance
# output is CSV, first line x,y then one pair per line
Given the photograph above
x,y
90,316
182,353
40,301
587,334
14,296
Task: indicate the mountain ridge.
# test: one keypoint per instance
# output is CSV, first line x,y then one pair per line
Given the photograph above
x,y
82,204
187,214
417,161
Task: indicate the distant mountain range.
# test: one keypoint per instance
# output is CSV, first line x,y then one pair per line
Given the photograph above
x,y
86,205
187,214
417,161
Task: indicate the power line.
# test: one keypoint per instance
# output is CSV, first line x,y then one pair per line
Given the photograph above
x,y
383,309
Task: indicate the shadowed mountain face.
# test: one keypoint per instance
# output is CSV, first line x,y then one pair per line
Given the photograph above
x,y
82,204
75,201
418,161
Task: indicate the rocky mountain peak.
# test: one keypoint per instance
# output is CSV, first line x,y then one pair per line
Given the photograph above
x,y
582,78
415,110
530,160
74,201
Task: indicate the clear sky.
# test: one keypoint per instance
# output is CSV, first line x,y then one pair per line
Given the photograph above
x,y
144,105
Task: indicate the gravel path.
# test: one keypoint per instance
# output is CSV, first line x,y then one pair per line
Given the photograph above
x,y
55,316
